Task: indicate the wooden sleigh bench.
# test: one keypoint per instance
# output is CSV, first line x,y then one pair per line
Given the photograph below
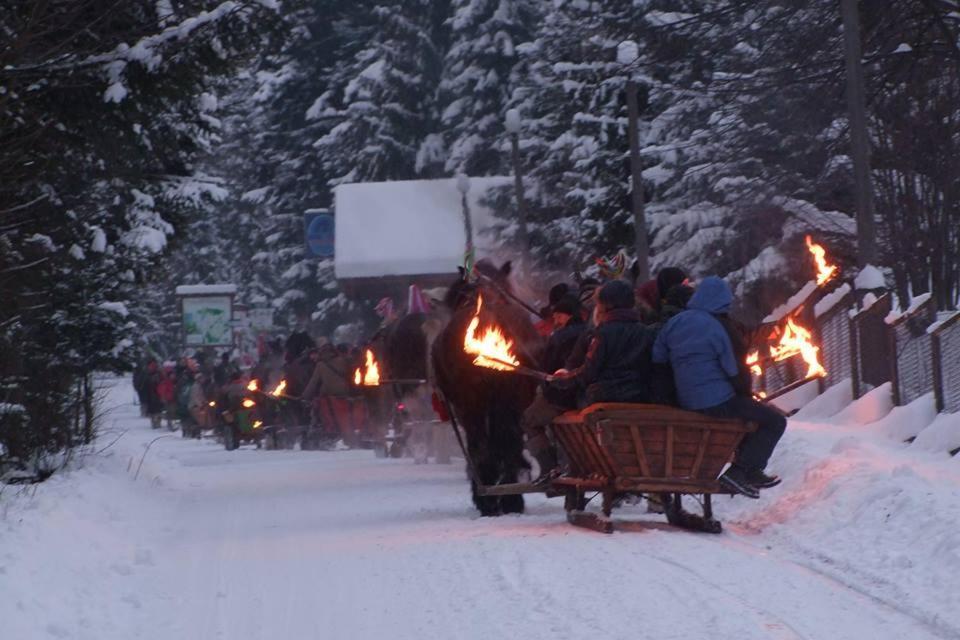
x,y
632,449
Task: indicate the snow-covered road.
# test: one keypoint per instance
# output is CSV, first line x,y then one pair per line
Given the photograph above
x,y
341,545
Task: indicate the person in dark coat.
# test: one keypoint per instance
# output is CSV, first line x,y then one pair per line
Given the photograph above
x,y
545,325
618,365
549,402
650,294
697,346
153,404
568,326
675,301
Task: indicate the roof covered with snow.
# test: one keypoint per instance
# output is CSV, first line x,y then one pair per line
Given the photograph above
x,y
206,289
408,227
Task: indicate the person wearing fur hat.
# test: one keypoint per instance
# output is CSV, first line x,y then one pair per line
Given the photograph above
x,y
545,325
549,402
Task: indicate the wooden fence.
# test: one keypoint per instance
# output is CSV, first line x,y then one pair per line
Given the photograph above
x,y
945,356
870,345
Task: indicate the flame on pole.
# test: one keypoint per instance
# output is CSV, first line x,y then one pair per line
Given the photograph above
x,y
794,340
278,391
490,342
825,270
253,385
753,361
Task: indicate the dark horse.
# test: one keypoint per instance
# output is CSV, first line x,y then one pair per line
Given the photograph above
x,y
488,404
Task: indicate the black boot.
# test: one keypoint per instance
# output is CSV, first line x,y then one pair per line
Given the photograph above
x,y
761,480
735,480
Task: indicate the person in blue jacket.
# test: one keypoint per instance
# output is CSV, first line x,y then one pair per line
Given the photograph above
x,y
696,345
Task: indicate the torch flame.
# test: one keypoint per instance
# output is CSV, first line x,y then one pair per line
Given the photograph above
x,y
357,378
248,403
258,424
825,271
371,375
280,387
491,344
253,385
797,340
212,403
753,361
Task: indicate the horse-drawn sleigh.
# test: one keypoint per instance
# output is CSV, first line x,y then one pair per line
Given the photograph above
x,y
613,450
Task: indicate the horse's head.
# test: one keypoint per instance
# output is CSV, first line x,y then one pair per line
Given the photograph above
x,y
491,282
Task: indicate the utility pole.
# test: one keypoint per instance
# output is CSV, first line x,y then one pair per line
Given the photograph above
x,y
512,123
641,247
859,138
627,54
463,186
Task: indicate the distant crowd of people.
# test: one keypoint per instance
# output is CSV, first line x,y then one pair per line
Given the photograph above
x,y
195,392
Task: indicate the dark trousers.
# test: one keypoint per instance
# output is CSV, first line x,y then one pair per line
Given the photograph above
x,y
536,419
756,448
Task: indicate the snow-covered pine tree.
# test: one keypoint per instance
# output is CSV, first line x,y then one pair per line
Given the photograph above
x,y
574,137
479,75
271,169
382,104
101,127
747,137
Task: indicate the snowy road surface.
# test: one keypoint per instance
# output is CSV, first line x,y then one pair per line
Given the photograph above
x,y
291,545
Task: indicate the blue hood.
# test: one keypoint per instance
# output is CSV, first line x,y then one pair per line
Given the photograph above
x,y
712,295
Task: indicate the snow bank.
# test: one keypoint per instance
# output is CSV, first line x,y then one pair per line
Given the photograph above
x,y
409,227
871,407
798,398
828,403
943,434
907,421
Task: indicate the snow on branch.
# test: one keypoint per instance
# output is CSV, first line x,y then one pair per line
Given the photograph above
x,y
146,51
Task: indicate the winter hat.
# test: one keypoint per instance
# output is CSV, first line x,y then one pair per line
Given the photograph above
x,y
558,291
713,295
587,289
668,278
678,296
417,302
617,294
647,293
568,304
